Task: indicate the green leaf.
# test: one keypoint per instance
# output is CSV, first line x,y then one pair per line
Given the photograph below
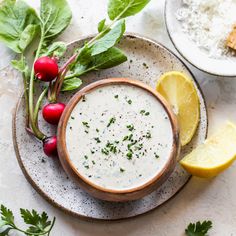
x,y
118,9
2,223
84,56
27,36
5,232
101,25
198,229
110,39
15,18
112,57
38,222
71,84
57,50
21,65
7,215
56,16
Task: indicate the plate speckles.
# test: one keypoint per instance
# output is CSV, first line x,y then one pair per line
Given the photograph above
x,y
147,61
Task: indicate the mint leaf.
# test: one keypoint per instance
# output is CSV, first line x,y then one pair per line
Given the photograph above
x,y
198,229
18,24
57,50
118,9
56,16
110,39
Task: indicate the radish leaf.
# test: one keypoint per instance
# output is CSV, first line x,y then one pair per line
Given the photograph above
x,y
110,39
57,50
71,84
18,23
101,25
118,9
56,16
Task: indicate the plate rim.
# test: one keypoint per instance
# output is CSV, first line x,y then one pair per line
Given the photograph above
x,y
61,207
182,54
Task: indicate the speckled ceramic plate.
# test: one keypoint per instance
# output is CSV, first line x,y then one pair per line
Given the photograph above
x,y
189,50
147,61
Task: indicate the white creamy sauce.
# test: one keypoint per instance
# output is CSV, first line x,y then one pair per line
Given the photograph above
x,y
119,137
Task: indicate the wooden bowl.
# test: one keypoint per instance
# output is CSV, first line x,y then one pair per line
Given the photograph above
x,y
110,194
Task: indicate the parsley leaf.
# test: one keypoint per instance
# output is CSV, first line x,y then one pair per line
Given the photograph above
x,y
7,215
38,224
198,229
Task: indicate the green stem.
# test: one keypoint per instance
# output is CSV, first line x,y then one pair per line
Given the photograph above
x,y
38,105
26,95
33,123
35,234
56,88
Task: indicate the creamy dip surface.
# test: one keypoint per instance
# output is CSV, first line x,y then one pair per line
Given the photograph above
x,y
119,137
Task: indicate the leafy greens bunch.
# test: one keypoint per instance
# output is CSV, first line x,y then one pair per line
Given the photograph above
x,y
20,25
38,224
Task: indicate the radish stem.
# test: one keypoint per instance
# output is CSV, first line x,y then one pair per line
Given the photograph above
x,y
34,125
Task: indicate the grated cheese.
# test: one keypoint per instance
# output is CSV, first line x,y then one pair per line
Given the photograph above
x,y
208,23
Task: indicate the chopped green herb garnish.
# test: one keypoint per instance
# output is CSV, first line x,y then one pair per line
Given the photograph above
x,y
129,102
97,130
72,117
130,137
97,140
87,167
86,157
86,124
111,121
157,156
126,138
147,113
116,96
130,127
129,155
122,170
92,151
142,112
93,162
148,135
105,151
86,131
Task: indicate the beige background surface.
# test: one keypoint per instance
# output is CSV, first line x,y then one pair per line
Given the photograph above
x,y
201,199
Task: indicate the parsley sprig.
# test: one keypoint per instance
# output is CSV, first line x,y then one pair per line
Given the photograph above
x,y
38,224
198,229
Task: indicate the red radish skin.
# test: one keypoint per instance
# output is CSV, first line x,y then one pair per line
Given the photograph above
x,y
46,69
52,112
50,146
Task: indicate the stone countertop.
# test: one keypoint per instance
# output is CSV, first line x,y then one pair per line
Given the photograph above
x,y
201,199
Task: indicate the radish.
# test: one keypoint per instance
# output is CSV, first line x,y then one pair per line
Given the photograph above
x,y
52,112
50,146
46,69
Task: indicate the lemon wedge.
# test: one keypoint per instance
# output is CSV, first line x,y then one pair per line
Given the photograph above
x,y
180,92
215,155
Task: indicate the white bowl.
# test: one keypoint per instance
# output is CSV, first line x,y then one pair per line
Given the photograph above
x,y
190,51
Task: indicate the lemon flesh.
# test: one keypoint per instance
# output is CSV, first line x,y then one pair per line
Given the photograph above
x,y
215,155
180,92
